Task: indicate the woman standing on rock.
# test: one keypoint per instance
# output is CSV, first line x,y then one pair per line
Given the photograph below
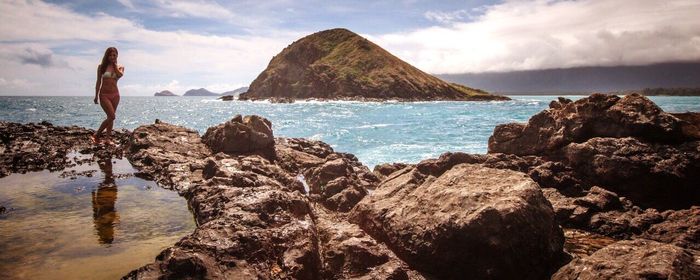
x,y
106,91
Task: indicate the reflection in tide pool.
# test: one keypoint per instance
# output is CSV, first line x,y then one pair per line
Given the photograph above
x,y
89,227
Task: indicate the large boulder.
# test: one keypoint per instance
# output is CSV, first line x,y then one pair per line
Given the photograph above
x,y
598,115
651,175
241,135
465,219
634,259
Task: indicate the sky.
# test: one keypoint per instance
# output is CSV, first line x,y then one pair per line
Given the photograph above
x,y
53,47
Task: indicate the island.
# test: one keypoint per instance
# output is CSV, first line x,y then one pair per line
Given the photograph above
x,y
165,93
338,64
200,92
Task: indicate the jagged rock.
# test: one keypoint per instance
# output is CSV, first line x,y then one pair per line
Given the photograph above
x,y
347,252
651,175
634,259
681,228
172,155
241,135
459,221
598,115
383,170
576,212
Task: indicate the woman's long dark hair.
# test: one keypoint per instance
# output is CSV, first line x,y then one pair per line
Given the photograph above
x,y
105,60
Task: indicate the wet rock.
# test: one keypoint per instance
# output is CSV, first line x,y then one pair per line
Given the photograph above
x,y
681,228
172,155
336,180
651,175
241,135
635,259
598,115
250,225
460,222
43,146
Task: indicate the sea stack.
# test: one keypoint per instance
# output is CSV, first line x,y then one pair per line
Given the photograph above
x,y
338,64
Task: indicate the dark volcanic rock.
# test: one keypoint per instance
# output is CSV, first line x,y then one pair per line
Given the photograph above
x,y
339,64
241,135
635,259
651,175
172,155
35,147
459,220
598,115
681,228
348,252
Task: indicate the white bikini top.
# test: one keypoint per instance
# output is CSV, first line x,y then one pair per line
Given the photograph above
x,y
112,75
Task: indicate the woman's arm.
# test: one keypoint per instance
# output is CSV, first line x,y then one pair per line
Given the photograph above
x,y
97,84
119,69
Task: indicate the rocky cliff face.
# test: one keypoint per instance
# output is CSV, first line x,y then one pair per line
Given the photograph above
x,y
339,64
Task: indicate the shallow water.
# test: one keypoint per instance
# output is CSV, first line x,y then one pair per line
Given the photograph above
x,y
98,227
581,243
375,132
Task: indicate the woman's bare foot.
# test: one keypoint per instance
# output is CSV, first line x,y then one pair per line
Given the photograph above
x,y
95,140
108,141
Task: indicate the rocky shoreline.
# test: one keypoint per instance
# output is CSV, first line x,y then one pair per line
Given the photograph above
x,y
270,208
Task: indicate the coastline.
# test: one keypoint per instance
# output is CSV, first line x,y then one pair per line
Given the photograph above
x,y
338,205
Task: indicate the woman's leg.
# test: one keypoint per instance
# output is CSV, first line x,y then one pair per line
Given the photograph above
x,y
106,104
115,102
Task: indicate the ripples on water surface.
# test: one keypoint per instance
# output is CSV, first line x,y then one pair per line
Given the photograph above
x,y
374,132
98,227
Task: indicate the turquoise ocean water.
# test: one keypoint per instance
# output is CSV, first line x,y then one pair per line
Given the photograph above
x,y
374,132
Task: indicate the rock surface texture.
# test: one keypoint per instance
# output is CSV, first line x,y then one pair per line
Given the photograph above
x,y
605,168
627,145
466,220
339,64
635,259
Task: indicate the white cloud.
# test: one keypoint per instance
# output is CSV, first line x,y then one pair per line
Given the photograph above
x,y
17,84
185,8
152,58
522,35
126,3
447,17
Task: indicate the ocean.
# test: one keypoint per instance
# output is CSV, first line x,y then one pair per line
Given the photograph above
x,y
375,132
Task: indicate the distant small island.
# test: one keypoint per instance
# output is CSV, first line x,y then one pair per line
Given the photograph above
x,y
338,64
165,93
204,92
200,92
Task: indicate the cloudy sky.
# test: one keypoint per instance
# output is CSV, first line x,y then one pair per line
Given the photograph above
x,y
53,47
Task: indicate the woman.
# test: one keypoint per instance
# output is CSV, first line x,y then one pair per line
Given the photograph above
x,y
108,73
